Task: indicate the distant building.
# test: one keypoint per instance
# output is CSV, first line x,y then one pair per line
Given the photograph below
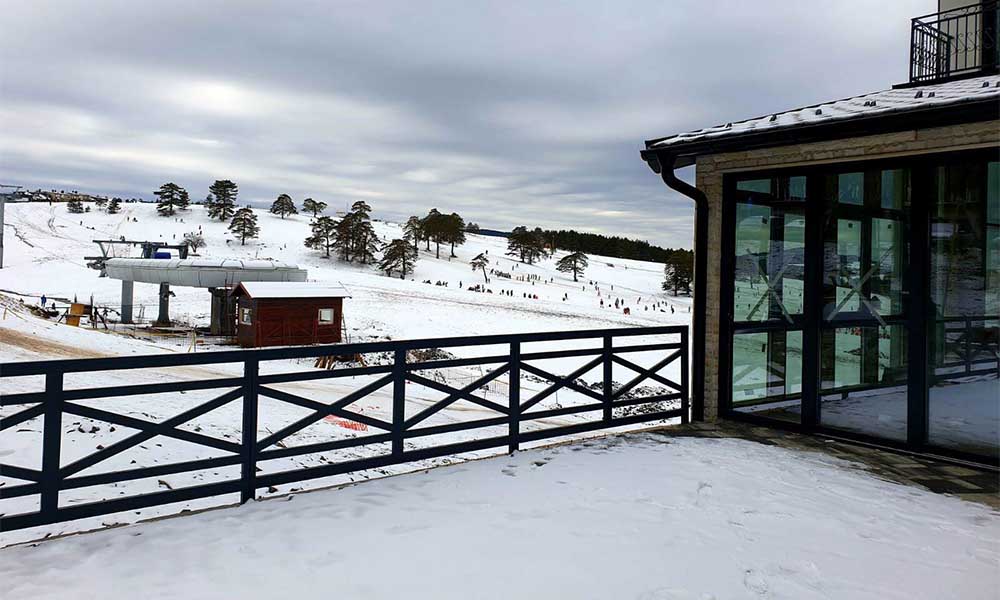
x,y
270,313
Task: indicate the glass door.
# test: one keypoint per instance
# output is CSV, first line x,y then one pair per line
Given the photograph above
x,y
768,296
863,331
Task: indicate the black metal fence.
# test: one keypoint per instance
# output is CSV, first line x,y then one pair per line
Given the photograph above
x,y
954,42
604,401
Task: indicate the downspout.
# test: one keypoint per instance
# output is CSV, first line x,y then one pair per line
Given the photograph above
x,y
664,164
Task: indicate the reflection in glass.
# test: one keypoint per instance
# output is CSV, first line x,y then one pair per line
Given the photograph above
x,y
851,188
769,263
863,385
964,338
767,373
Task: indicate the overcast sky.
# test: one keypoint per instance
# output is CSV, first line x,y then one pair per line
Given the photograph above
x,y
507,112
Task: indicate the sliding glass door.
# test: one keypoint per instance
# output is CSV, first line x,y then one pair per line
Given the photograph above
x,y
836,276
964,287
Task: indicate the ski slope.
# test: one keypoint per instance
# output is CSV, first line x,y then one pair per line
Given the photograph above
x,y
46,246
45,250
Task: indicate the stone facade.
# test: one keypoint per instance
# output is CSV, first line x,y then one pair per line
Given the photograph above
x,y
711,168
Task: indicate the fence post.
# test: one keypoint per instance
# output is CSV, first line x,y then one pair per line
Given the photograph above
x,y
51,443
514,398
248,451
685,375
398,400
608,388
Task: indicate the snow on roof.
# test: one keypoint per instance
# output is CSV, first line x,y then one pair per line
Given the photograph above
x,y
867,105
281,289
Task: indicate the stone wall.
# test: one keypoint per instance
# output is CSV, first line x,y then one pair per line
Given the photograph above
x,y
710,169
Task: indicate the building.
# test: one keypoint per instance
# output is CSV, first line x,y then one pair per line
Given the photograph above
x,y
848,254
272,313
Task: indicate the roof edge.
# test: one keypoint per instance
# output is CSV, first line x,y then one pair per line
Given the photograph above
x,y
880,123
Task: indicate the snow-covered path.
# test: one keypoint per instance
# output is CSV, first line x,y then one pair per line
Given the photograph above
x,y
637,516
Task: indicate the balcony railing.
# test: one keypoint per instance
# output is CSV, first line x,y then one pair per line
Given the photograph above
x,y
954,43
517,415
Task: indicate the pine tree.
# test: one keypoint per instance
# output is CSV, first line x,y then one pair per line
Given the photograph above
x,y
574,262
434,227
115,206
678,272
529,246
223,205
359,233
454,231
244,225
324,235
283,206
413,231
480,262
398,255
101,202
74,206
313,206
172,198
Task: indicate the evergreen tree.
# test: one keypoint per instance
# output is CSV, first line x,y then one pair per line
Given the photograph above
x,y
528,246
434,227
472,228
324,235
244,225
283,206
413,231
454,231
360,234
398,255
313,206
115,206
479,263
678,273
574,262
172,198
74,206
223,205
101,202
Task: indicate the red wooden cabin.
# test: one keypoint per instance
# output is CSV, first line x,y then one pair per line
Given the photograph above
x,y
273,313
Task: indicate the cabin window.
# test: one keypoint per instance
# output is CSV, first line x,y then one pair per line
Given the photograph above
x,y
326,316
245,317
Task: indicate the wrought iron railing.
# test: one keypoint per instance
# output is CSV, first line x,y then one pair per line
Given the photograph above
x,y
519,415
953,43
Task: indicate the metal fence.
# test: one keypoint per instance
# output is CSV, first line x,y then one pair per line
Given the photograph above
x,y
954,42
604,402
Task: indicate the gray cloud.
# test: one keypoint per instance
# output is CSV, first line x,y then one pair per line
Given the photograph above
x,y
510,113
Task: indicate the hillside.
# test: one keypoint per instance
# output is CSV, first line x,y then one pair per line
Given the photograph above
x,y
45,256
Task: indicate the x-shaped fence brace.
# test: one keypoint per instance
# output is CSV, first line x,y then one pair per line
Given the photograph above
x,y
55,402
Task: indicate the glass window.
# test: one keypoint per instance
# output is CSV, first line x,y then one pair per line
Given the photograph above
x,y
767,373
326,316
895,189
864,380
851,188
964,336
760,186
245,316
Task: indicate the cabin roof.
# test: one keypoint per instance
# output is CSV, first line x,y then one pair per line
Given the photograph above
x,y
282,289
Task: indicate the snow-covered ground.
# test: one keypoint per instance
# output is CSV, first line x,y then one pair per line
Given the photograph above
x,y
637,516
46,257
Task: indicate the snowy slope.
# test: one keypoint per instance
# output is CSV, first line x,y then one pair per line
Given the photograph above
x,y
46,257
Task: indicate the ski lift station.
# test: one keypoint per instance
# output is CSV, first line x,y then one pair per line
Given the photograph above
x,y
217,275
